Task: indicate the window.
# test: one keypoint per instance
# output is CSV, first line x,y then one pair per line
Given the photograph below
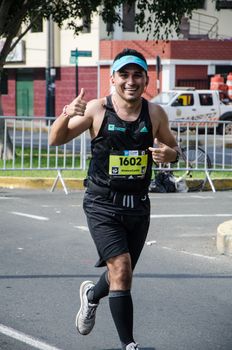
x,y
109,27
4,83
202,5
197,83
86,22
37,25
206,99
223,4
128,21
184,100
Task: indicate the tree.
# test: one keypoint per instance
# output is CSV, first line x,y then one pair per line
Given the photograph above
x,y
164,17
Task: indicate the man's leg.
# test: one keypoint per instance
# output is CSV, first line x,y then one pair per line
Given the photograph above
x,y
100,290
120,301
120,276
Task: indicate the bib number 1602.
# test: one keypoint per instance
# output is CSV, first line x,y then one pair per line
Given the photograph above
x,y
130,161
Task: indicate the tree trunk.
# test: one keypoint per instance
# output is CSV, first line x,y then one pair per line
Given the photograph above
x,y
6,147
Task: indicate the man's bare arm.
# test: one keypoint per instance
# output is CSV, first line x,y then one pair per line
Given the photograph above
x,y
71,123
166,149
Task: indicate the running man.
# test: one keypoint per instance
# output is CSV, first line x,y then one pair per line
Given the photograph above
x,y
123,127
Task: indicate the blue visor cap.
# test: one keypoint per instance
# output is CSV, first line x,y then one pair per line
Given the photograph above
x,y
123,61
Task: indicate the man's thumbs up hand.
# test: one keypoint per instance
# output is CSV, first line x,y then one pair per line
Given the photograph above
x,y
82,94
77,106
162,153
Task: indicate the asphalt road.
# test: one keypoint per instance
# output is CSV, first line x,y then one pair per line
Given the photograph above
x,y
181,288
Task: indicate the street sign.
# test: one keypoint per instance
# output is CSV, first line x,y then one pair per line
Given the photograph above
x,y
81,53
74,60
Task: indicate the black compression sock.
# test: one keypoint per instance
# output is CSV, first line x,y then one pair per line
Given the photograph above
x,y
121,308
100,290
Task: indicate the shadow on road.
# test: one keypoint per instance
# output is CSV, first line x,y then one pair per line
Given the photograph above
x,y
140,349
138,275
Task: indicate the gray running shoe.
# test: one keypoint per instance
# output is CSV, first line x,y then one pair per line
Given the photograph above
x,y
132,346
85,318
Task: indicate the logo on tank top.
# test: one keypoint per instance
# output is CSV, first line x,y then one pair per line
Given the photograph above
x,y
144,129
112,127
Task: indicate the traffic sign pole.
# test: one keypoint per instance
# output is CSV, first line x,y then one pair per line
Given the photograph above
x,y
74,55
76,71
158,66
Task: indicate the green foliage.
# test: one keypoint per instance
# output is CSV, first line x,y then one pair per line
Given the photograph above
x,y
157,18
162,14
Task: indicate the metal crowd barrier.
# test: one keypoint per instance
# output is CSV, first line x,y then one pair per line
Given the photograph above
x,y
205,135
31,150
211,138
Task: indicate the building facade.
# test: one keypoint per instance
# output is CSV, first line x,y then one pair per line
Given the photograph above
x,y
43,73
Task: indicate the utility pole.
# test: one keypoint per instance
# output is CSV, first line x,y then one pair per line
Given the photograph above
x,y
76,71
50,70
158,66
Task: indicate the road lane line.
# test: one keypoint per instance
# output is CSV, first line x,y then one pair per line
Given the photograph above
x,y
82,228
27,339
6,198
189,253
202,197
198,255
36,217
188,215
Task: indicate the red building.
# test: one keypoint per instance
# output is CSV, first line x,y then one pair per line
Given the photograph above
x,y
183,63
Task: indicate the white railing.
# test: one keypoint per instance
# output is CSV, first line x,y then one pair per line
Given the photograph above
x,y
31,150
206,147
203,24
26,140
205,135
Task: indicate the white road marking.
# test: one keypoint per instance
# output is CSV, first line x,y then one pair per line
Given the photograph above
x,y
183,196
8,198
83,228
36,217
198,255
188,215
150,242
189,253
197,235
202,197
27,339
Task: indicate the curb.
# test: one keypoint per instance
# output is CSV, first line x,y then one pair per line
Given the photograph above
x,y
219,184
224,238
38,183
72,183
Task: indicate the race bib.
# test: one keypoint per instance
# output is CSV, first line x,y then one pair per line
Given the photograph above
x,y
128,164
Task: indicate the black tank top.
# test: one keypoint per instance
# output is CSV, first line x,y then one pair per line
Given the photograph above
x,y
120,156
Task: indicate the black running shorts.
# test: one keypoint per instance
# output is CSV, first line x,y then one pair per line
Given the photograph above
x,y
115,233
